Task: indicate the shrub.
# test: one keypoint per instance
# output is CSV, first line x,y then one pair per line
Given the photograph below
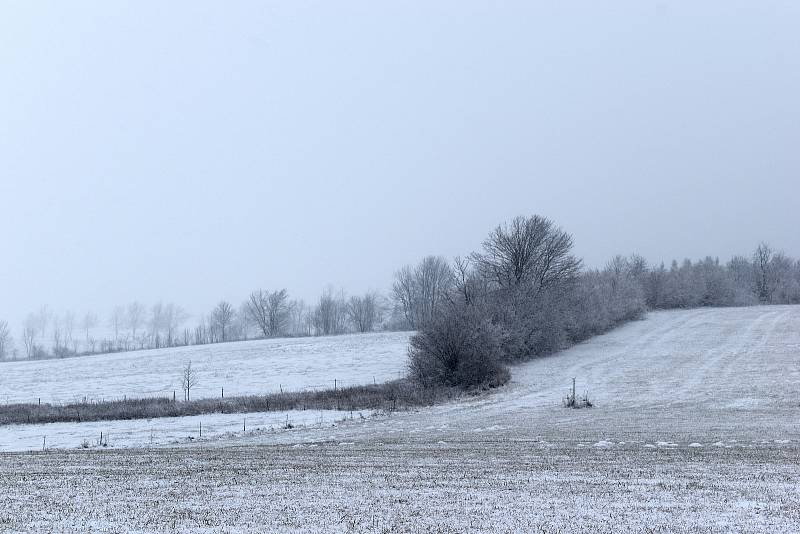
x,y
458,348
571,401
387,397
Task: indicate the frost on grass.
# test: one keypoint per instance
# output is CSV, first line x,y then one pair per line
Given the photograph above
x,y
654,379
241,368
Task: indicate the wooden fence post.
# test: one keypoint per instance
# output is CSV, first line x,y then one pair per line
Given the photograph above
x,y
573,390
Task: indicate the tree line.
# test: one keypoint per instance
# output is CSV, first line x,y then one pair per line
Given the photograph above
x,y
264,314
524,289
525,294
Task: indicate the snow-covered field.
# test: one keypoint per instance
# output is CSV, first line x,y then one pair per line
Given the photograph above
x,y
696,427
243,368
167,430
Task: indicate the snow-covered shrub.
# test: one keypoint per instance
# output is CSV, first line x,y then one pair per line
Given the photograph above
x,y
571,401
460,347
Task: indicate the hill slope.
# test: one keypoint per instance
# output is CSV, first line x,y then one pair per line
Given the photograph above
x,y
695,428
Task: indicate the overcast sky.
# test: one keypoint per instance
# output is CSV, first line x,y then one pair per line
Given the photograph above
x,y
193,151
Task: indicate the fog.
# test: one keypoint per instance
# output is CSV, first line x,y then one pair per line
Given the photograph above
x,y
194,151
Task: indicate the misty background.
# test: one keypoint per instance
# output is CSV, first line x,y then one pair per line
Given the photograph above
x,y
194,151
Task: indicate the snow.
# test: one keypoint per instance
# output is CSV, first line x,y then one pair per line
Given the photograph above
x,y
241,368
161,431
513,460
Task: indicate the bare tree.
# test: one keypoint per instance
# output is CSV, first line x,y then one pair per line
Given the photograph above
x,y
270,311
298,318
57,335
189,379
222,316
243,321
69,327
363,312
42,319
115,320
330,314
174,317
166,319
764,273
420,290
29,337
135,316
468,284
157,322
257,307
529,252
278,312
88,322
5,340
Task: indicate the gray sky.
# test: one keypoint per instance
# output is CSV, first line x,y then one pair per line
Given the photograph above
x,y
192,151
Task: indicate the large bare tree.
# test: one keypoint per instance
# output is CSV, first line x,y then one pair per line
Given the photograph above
x,y
330,313
270,311
529,251
363,312
257,306
222,317
420,290
278,312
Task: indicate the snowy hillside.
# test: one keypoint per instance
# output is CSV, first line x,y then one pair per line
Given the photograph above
x,y
243,368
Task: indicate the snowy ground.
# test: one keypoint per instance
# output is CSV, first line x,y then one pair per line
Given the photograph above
x,y
243,368
167,430
696,428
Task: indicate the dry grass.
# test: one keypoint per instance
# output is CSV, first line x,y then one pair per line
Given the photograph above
x,y
390,396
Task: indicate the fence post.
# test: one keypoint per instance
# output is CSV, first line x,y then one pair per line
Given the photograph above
x,y
201,429
44,442
173,395
244,425
573,390
223,393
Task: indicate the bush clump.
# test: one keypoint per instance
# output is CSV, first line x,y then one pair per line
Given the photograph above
x,y
458,348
